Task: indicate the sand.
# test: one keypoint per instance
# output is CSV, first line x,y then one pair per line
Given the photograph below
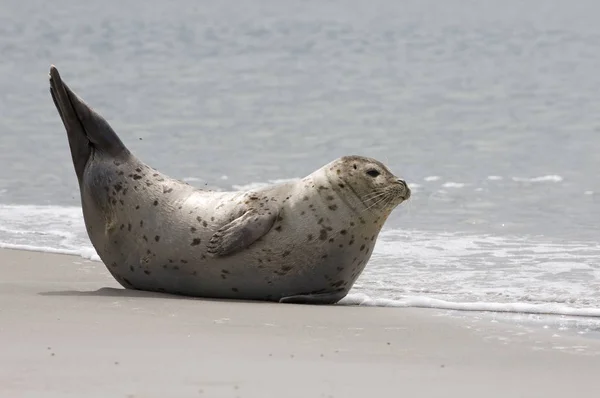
x,y
67,329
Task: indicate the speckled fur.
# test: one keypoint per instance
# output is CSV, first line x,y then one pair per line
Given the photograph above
x,y
159,234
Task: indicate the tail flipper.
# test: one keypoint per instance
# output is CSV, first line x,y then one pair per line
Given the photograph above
x,y
87,130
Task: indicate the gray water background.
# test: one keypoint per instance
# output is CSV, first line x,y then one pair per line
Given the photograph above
x,y
260,90
231,93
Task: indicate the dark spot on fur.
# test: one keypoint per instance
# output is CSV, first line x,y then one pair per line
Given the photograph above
x,y
118,187
223,276
285,253
320,221
137,177
193,229
286,268
120,173
147,272
141,223
309,237
351,242
157,238
305,198
212,219
148,251
155,175
122,227
114,264
196,242
343,232
362,247
329,197
114,201
324,256
323,234
278,228
145,238
169,190
341,185
121,201
131,268
155,203
372,238
184,261
224,271
137,207
139,170
331,240
176,267
234,289
127,281
129,227
204,224
333,207
354,165
302,213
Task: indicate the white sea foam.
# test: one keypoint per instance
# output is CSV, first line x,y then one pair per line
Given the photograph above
x,y
453,184
257,185
428,302
432,178
548,178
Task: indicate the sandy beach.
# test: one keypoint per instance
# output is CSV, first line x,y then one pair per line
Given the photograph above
x,y
68,330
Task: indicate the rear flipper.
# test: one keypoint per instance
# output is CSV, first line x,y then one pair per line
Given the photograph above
x,y
87,131
317,298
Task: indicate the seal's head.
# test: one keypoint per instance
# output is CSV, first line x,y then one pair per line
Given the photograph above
x,y
370,181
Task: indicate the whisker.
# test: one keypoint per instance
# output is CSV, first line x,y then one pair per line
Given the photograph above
x,y
373,197
385,197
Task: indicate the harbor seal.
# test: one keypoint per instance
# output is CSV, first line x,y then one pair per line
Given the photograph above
x,y
304,241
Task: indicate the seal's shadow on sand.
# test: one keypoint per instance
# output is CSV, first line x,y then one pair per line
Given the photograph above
x,y
131,293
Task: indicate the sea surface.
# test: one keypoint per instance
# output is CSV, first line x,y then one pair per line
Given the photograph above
x,y
489,109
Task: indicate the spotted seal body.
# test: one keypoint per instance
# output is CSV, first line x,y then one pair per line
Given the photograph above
x,y
305,241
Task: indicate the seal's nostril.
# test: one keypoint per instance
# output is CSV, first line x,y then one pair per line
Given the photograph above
x,y
402,182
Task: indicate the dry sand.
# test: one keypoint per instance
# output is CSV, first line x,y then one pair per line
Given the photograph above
x,y
68,330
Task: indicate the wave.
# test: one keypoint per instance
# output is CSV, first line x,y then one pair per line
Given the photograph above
x,y
453,271
362,299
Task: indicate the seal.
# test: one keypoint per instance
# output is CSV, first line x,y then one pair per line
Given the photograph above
x,y
305,241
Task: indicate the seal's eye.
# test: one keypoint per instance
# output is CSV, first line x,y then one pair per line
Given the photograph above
x,y
373,172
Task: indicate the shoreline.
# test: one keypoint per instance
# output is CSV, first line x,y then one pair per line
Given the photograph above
x,y
67,328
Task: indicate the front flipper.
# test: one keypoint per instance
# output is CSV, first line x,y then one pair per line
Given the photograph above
x,y
240,233
317,298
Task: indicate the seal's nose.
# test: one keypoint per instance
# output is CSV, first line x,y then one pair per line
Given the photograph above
x,y
405,188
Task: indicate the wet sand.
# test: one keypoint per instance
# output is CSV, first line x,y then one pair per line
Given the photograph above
x,y
67,329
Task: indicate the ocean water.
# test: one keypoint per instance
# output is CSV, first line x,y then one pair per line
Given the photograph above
x,y
489,109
